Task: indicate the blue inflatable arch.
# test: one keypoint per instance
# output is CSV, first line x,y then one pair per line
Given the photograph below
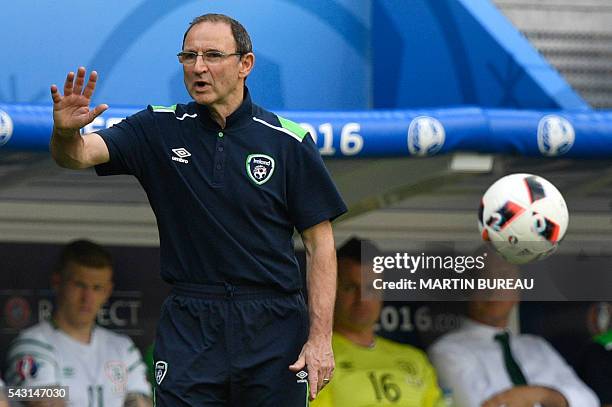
x,y
388,133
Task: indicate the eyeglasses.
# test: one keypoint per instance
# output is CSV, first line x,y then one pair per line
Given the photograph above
x,y
209,57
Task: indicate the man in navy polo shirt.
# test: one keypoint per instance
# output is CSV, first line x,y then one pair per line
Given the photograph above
x,y
228,182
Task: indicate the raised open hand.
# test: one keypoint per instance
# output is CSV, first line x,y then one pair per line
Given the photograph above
x,y
71,111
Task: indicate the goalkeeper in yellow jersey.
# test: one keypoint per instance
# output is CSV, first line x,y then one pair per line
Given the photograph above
x,y
371,370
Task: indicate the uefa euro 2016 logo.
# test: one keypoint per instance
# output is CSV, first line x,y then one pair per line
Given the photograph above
x,y
6,128
425,136
555,135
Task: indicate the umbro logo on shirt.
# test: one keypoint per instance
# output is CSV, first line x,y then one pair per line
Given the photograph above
x,y
301,376
68,372
180,153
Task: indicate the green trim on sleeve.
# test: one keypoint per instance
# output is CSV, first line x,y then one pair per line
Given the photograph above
x,y
293,127
29,341
166,109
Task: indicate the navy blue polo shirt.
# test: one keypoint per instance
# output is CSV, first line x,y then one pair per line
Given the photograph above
x,y
226,200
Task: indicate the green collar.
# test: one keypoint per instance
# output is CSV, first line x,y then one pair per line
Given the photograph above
x,y
604,339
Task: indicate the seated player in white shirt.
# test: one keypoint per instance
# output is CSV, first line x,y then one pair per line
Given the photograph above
x,y
99,367
3,402
479,369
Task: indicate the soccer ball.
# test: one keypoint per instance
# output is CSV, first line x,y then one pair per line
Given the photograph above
x,y
524,216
